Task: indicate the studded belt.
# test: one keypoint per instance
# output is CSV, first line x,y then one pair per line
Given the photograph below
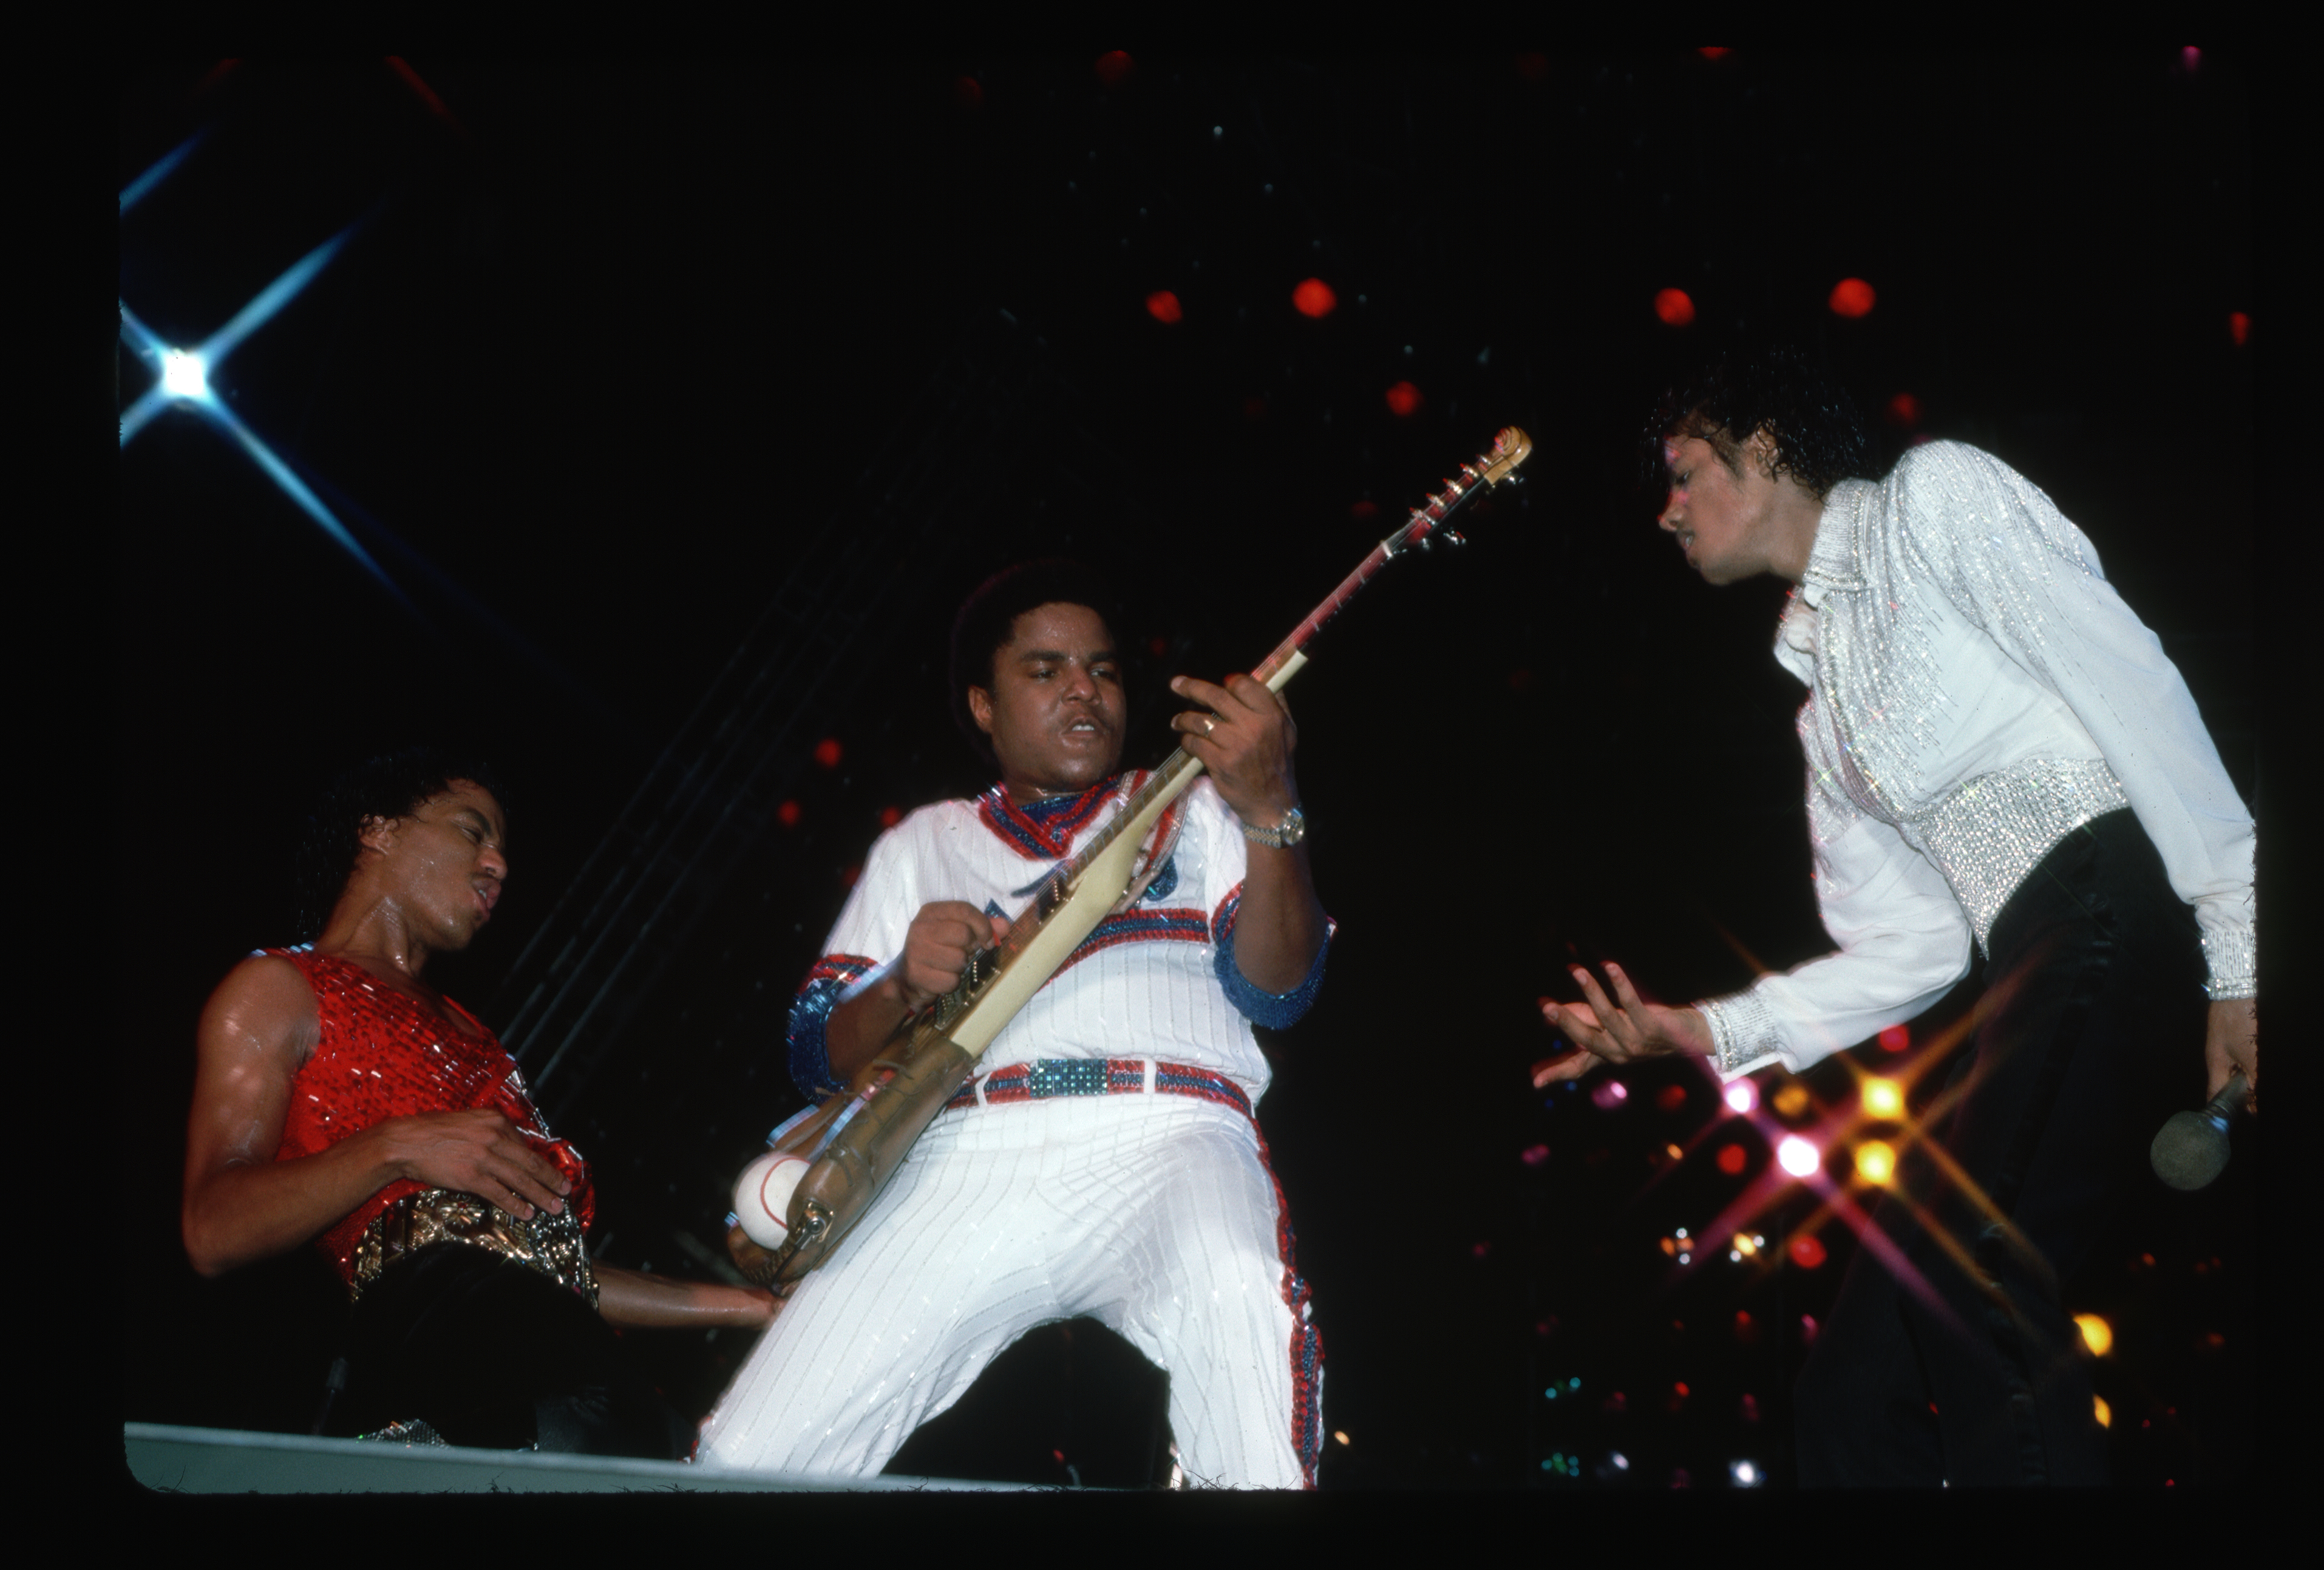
x,y
549,1243
1053,1077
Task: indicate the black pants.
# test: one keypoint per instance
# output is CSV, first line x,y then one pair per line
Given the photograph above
x,y
497,1356
2091,1034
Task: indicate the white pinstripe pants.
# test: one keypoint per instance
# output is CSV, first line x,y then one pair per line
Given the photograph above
x,y
1153,1214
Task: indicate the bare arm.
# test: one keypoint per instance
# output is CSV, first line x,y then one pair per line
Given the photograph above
x,y
635,1299
1246,743
241,1204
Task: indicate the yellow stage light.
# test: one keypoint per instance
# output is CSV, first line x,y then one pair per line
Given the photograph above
x,y
2096,1333
2105,1413
1883,1099
1875,1161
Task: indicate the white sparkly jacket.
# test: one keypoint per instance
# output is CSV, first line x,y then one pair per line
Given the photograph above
x,y
1976,691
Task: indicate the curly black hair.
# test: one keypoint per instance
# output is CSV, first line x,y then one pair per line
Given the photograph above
x,y
385,787
1818,429
989,615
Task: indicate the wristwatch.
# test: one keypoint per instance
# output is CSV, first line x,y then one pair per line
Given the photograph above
x,y
1283,835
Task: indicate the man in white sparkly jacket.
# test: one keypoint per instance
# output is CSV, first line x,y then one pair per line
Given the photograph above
x,y
1999,755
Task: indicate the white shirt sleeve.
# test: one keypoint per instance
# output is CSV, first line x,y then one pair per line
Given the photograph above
x,y
1904,943
2012,564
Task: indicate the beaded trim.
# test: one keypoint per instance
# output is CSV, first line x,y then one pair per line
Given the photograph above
x,y
1991,831
1047,1078
549,1242
1743,1031
2232,954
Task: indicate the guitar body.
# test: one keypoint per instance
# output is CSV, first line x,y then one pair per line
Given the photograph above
x,y
856,1140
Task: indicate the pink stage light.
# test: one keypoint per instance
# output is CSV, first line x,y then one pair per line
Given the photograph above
x,y
1742,1098
1798,1157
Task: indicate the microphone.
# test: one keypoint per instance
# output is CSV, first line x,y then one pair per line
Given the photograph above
x,y
2192,1147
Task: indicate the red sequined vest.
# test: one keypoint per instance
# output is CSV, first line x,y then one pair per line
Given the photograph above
x,y
381,1054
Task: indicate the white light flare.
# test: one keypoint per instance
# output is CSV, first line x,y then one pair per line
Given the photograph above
x,y
1798,1157
1744,1475
1742,1098
184,376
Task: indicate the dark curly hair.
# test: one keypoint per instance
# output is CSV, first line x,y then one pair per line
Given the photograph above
x,y
987,616
1817,428
385,787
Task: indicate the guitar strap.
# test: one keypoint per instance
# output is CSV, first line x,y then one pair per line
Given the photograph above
x,y
1155,856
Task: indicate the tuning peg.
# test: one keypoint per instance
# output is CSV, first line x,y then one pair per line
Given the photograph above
x,y
1454,537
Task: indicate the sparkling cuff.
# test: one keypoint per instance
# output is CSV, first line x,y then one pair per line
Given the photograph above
x,y
2231,954
810,1053
1742,1030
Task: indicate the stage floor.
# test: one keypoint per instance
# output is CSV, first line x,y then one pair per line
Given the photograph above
x,y
234,1460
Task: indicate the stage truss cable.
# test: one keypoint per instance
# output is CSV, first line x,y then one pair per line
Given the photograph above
x,y
570,995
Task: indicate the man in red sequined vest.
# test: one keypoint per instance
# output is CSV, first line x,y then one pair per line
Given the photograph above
x,y
342,1101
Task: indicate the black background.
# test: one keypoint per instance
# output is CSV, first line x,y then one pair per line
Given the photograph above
x,y
610,342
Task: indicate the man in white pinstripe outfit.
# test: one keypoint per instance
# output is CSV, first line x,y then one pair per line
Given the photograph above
x,y
1106,1161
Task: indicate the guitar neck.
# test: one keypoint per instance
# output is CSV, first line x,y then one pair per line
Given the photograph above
x,y
1279,666
1179,770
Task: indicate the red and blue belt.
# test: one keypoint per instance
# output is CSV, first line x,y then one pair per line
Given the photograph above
x,y
1047,1077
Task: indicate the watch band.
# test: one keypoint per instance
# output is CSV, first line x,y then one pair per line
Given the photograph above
x,y
1283,835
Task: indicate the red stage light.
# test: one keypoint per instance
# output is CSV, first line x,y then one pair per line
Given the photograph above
x,y
1671,1097
1364,510
1731,1160
1851,297
848,874
788,813
1403,400
1158,645
1895,1038
889,816
1808,1250
1314,298
1534,1155
1163,307
1904,409
968,93
1532,67
826,753
1714,53
2191,58
1113,68
2239,326
1674,307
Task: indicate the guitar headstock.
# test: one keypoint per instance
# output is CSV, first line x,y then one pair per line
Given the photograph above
x,y
1494,466
1510,449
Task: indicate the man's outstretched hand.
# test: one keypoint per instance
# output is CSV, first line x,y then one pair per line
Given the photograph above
x,y
1616,1029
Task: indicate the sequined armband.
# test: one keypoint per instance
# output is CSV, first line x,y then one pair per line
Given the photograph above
x,y
2231,955
1742,1032
810,1052
1276,1011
